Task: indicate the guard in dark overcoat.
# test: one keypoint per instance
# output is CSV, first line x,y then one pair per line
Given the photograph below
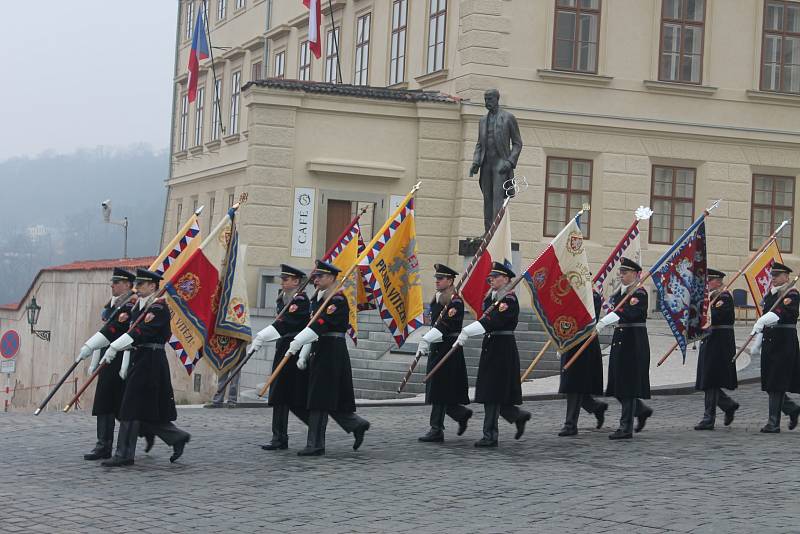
x,y
715,367
629,362
330,378
498,387
583,380
447,391
289,391
776,335
110,386
148,405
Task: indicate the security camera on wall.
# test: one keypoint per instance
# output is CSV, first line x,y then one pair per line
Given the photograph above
x,y
106,204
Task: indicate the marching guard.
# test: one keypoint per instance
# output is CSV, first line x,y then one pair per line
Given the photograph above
x,y
330,378
498,387
715,367
583,380
289,391
148,405
780,354
447,391
110,386
629,363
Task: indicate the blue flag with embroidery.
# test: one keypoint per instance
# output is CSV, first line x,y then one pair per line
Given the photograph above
x,y
681,285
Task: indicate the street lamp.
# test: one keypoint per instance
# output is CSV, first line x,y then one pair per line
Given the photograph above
x,y
33,310
124,222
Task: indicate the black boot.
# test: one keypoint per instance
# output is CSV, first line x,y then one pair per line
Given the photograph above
x,y
644,412
730,413
105,438
600,414
436,433
570,427
773,425
793,419
710,415
358,435
490,431
126,445
177,449
625,430
280,425
315,444
521,421
462,423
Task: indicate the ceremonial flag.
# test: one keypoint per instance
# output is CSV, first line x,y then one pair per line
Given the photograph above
x,y
179,249
198,52
759,276
681,285
607,278
314,20
475,286
207,298
344,254
391,270
561,288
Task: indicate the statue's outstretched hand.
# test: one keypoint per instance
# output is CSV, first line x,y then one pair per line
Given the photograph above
x,y
474,169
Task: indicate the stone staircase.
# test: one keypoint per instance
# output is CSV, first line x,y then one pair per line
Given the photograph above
x,y
378,365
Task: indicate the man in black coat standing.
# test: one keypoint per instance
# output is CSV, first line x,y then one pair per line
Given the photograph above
x,y
629,363
715,366
148,405
330,378
498,387
776,333
446,392
289,391
110,386
582,380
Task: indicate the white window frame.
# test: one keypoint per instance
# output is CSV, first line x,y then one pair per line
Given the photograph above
x,y
222,9
397,42
189,20
436,39
184,123
236,90
240,4
332,55
199,112
363,28
304,70
216,123
280,64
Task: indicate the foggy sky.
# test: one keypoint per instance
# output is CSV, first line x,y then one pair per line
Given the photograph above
x,y
82,73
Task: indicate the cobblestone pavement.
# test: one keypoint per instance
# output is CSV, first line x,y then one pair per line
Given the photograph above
x,y
667,479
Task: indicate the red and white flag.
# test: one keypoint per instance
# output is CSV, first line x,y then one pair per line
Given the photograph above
x,y
474,285
314,20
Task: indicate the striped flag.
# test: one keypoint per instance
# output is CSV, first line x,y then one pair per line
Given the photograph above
x,y
314,21
607,280
759,275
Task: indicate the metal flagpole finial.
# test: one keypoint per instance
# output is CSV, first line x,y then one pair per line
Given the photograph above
x,y
416,186
714,205
643,213
515,185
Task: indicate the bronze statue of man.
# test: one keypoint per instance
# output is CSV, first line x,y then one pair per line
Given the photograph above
x,y
496,155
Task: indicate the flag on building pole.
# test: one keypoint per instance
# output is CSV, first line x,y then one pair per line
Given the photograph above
x,y
198,52
759,275
561,287
474,286
391,270
343,254
314,21
681,285
207,297
607,279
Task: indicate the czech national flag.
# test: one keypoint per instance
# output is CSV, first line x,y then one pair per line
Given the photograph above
x,y
314,20
199,51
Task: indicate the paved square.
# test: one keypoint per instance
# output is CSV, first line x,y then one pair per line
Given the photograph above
x,y
667,479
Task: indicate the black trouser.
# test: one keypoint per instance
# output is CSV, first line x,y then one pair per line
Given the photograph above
x,y
318,423
105,433
457,412
789,407
631,407
280,422
510,413
714,398
129,433
576,401
776,405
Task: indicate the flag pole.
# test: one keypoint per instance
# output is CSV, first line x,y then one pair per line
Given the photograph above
x,y
753,257
487,237
496,303
282,312
664,257
215,94
612,258
158,294
777,301
339,283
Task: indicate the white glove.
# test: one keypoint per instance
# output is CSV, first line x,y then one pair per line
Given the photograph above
x,y
304,337
423,347
96,342
755,346
126,361
264,337
95,362
767,319
434,335
302,360
471,330
607,320
121,343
